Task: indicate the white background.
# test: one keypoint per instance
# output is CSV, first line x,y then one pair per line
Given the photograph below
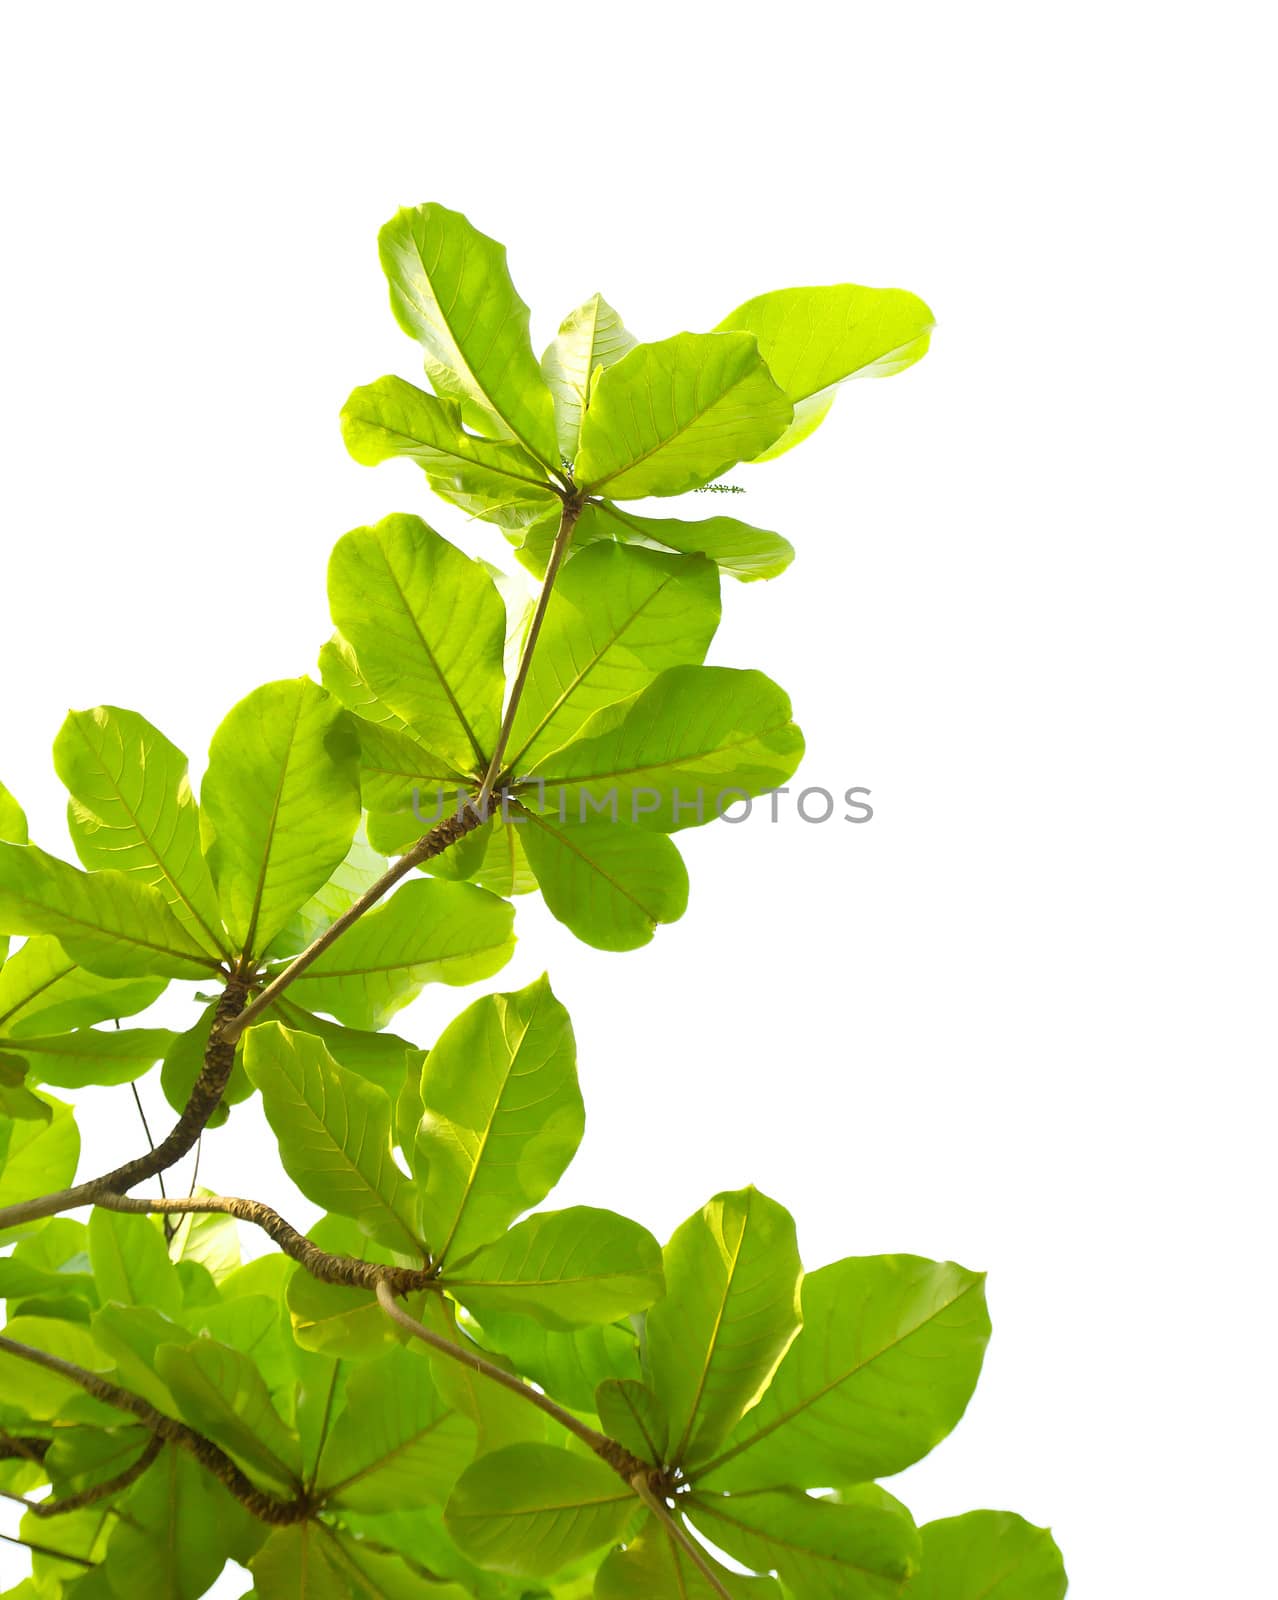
x,y
1015,1020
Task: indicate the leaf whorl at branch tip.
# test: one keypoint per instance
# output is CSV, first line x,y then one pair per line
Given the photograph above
x,y
168,1430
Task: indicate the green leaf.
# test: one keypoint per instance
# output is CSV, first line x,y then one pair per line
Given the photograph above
x,y
396,1442
299,1562
590,338
503,1117
730,1313
686,749
16,1100
863,1548
334,1132
221,1393
564,1268
93,1056
611,883
427,627
131,1262
43,991
746,553
177,1529
358,872
653,1566
426,932
44,1393
617,617
379,1575
531,1509
208,1239
344,679
280,805
890,1352
988,1555
131,1335
813,339
38,1157
392,418
108,922
13,821
132,809
570,1366
451,291
675,415
632,1414
380,1057
400,776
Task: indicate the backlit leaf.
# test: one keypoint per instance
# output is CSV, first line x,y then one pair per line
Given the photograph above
x,y
988,1555
590,338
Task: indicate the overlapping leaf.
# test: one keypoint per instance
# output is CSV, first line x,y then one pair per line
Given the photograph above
x,y
988,1555
589,339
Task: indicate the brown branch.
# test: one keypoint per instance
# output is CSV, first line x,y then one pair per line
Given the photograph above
x,y
616,1455
44,1550
219,1058
22,1448
99,1491
266,1507
432,844
349,1271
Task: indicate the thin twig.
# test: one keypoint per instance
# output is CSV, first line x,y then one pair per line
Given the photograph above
x,y
44,1550
99,1491
567,522
677,1533
150,1144
613,1453
432,844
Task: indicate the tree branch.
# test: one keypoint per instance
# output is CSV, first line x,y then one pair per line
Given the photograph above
x,y
44,1550
99,1491
677,1534
219,1058
266,1507
349,1271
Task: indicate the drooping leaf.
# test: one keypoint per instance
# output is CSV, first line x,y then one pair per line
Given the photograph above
x,y
344,679
451,291
392,418
334,1132
590,338
863,1547
132,809
674,415
688,747
110,923
530,1509
396,1442
94,1055
814,338
887,1360
299,1562
427,626
746,553
654,1565
279,805
632,1414
611,883
427,932
222,1395
503,1117
564,1268
616,618
131,1262
988,1555
43,991
39,1157
730,1312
